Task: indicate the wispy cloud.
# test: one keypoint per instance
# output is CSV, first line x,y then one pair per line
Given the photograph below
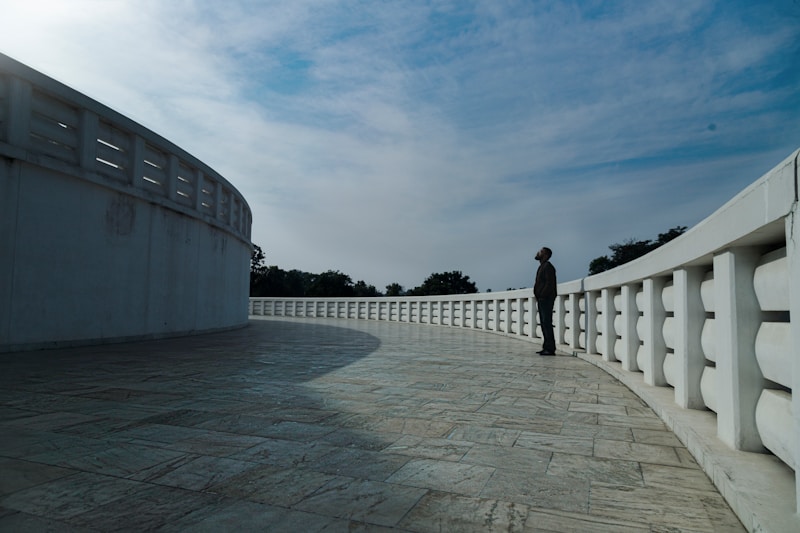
x,y
393,140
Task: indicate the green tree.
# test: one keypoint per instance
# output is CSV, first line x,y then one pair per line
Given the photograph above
x,y
362,290
445,283
331,284
278,282
630,250
394,289
664,238
257,271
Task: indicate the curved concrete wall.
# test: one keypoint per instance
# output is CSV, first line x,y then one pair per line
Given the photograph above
x,y
109,232
706,329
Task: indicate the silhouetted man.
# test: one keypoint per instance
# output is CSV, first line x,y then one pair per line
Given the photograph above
x,y
544,290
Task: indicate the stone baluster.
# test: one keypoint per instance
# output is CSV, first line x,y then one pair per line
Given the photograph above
x,y
737,319
590,322
628,329
655,350
608,314
689,319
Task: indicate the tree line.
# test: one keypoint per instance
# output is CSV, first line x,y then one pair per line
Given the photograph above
x,y
272,281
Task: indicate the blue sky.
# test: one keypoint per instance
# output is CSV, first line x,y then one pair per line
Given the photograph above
x,y
391,140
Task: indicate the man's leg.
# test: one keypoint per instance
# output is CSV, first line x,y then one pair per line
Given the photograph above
x,y
546,320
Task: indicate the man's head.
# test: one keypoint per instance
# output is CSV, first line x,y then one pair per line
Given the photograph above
x,y
544,254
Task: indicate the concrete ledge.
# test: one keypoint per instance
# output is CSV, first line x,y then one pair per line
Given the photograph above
x,y
760,488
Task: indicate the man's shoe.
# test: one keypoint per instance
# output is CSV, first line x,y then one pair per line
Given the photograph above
x,y
546,353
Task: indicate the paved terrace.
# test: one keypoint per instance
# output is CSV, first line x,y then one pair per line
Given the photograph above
x,y
325,425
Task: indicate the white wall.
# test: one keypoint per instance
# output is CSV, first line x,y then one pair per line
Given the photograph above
x,y
148,242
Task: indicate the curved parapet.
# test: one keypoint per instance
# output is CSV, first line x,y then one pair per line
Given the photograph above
x,y
706,329
109,231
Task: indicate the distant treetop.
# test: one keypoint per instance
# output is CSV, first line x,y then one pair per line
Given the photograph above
x,y
630,250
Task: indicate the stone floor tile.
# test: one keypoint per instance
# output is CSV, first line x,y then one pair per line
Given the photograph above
x,y
272,485
300,414
359,438
58,449
71,495
566,416
676,478
682,511
723,520
363,500
555,443
553,520
103,428
632,422
427,428
19,475
19,522
538,490
444,476
283,452
445,449
600,408
50,421
146,510
441,511
475,418
10,414
596,431
119,459
156,433
247,517
299,431
242,424
38,402
662,438
584,397
485,435
359,463
514,394
103,409
181,417
199,473
524,460
216,443
595,468
635,451
642,411
627,400
534,425
686,458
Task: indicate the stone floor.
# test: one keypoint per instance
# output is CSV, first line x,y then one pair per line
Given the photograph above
x,y
324,425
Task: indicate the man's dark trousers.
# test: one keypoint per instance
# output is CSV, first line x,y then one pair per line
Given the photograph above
x,y
546,321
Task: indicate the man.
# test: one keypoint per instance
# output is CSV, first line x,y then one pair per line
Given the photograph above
x,y
544,290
